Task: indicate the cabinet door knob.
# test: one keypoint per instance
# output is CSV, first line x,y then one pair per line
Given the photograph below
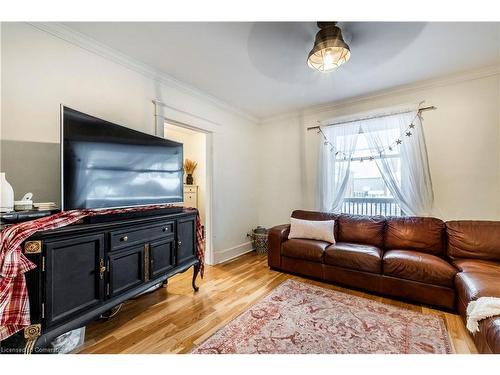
x,y
165,229
124,239
179,243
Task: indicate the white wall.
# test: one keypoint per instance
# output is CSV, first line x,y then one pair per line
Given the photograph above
x,y
282,181
463,141
43,68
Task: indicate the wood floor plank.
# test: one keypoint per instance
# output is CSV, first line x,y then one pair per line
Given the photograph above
x,y
176,319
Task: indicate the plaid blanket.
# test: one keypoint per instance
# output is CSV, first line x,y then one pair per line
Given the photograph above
x,y
14,302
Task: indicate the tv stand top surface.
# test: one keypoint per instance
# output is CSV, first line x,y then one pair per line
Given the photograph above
x,y
116,221
134,214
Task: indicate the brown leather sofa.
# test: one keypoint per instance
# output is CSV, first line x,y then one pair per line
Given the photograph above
x,y
425,260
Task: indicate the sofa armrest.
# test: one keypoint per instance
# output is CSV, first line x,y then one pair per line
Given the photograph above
x,y
277,235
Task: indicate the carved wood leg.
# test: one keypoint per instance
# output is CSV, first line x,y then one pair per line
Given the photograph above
x,y
196,269
31,334
111,313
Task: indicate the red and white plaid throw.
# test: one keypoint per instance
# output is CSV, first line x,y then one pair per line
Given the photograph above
x,y
14,302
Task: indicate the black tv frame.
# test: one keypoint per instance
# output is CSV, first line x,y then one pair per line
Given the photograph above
x,y
129,215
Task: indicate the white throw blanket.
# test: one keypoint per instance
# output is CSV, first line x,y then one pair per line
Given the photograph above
x,y
482,308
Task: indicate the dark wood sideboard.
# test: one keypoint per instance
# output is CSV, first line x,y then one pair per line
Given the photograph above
x,y
85,270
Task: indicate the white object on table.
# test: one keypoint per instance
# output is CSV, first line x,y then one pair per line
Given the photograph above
x,y
26,203
6,195
44,206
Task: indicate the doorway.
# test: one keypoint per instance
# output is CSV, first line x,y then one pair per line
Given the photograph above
x,y
197,193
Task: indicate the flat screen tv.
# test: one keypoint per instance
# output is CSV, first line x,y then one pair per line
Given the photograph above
x,y
104,165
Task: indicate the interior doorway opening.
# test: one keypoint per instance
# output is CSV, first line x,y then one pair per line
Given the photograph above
x,y
197,193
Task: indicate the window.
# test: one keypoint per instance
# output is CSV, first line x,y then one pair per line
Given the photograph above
x,y
375,166
367,192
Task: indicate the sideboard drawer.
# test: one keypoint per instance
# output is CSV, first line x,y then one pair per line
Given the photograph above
x,y
122,238
190,200
190,189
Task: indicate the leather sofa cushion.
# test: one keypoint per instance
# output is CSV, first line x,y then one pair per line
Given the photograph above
x,y
354,256
472,285
474,239
304,249
425,234
367,230
417,266
314,215
475,265
489,334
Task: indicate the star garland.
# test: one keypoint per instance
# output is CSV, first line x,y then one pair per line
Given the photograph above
x,y
341,155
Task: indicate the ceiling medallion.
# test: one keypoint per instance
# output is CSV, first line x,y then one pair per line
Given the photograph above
x,y
329,51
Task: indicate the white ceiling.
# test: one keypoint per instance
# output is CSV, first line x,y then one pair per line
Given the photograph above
x,y
261,67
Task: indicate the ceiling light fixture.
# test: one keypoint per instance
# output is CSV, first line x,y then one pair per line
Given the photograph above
x,y
329,51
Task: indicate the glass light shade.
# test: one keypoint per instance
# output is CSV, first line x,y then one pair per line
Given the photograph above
x,y
329,51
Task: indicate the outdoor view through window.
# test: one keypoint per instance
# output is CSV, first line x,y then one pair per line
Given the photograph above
x,y
367,193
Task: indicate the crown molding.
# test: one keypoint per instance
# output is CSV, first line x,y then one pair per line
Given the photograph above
x,y
83,41
407,88
285,116
402,89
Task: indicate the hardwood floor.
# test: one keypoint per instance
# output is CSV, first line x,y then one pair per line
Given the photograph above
x,y
174,319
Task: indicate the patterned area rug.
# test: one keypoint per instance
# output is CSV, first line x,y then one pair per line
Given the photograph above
x,y
302,318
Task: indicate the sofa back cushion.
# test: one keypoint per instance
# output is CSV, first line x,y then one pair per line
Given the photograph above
x,y
314,215
319,216
424,234
474,239
367,230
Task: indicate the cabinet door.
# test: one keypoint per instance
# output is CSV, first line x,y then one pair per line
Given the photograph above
x,y
126,269
186,239
161,254
74,276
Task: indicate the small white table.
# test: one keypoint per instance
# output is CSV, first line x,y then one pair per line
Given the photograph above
x,y
191,196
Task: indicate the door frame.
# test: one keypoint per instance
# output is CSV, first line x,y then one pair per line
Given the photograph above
x,y
202,126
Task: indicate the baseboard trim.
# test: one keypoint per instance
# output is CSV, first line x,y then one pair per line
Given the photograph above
x,y
233,252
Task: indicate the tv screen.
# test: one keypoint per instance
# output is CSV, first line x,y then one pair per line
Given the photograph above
x,y
105,165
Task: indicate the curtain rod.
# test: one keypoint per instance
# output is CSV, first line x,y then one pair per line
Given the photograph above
x,y
372,117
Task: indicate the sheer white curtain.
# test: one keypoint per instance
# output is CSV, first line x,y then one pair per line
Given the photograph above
x,y
334,172
407,177
404,169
